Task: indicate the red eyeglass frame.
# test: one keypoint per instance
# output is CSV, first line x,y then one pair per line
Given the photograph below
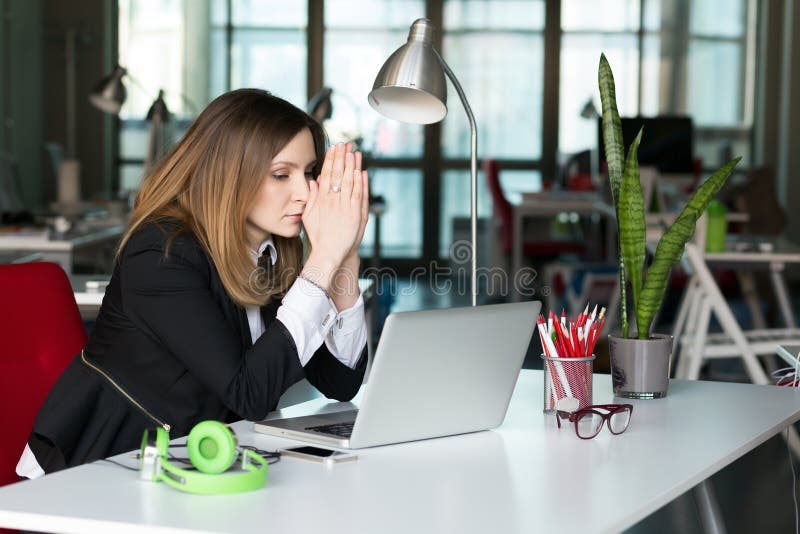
x,y
611,409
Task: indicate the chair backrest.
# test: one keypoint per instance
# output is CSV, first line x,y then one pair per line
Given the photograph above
x,y
502,207
40,332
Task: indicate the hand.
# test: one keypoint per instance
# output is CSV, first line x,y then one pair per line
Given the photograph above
x,y
333,214
352,255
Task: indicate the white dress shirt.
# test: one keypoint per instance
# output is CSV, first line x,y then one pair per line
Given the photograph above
x,y
311,319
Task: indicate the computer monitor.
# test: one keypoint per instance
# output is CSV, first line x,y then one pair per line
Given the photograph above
x,y
667,142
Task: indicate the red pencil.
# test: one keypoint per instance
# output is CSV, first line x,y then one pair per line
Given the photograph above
x,y
575,342
564,341
583,316
590,342
568,340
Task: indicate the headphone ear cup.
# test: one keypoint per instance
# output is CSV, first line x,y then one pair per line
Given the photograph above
x,y
212,447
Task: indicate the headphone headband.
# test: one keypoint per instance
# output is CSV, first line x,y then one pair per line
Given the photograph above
x,y
212,450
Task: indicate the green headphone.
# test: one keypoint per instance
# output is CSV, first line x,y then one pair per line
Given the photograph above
x,y
212,450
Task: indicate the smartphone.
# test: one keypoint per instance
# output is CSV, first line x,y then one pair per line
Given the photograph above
x,y
318,454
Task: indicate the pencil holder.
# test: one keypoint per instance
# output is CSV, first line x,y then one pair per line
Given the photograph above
x,y
566,378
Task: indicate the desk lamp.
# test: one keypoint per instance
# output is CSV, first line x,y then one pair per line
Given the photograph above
x,y
320,106
411,87
109,94
159,117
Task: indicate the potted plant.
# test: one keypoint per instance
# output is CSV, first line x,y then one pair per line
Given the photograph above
x,y
640,363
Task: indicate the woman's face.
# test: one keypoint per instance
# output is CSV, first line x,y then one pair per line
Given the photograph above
x,y
282,197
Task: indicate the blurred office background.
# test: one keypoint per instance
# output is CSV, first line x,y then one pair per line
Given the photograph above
x,y
528,67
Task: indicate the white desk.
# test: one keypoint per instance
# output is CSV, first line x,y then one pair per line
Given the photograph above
x,y
510,480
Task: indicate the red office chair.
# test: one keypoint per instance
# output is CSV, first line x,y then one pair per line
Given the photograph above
x,y
503,211
40,332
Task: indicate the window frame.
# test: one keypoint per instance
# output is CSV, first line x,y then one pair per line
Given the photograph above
x,y
433,164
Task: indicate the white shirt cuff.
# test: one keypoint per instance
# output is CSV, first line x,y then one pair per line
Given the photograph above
x,y
308,315
347,337
27,466
311,318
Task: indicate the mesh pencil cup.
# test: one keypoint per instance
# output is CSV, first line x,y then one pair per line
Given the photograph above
x,y
567,378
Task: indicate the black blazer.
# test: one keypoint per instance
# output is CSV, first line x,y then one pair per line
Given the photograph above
x,y
170,348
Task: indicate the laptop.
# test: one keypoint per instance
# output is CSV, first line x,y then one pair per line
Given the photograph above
x,y
435,373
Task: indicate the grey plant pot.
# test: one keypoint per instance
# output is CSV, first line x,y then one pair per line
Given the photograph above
x,y
640,367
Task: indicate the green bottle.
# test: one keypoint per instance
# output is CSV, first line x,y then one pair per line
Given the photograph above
x,y
717,226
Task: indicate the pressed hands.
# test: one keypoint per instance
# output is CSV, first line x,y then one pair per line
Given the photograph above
x,y
334,218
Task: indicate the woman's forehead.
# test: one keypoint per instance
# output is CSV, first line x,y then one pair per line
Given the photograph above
x,y
299,151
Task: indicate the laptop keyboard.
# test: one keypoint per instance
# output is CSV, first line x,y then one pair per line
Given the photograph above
x,y
342,430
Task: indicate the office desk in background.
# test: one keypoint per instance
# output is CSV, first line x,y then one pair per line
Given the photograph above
x,y
526,476
60,250
547,205
748,254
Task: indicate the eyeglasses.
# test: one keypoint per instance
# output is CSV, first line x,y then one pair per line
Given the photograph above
x,y
589,421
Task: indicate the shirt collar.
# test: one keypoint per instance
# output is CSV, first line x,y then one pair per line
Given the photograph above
x,y
273,252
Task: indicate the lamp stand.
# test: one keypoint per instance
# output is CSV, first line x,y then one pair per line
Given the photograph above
x,y
473,173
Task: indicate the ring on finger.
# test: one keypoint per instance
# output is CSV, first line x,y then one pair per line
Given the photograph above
x,y
336,189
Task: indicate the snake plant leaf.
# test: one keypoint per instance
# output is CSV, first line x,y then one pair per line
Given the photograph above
x,y
612,127
631,219
671,246
612,139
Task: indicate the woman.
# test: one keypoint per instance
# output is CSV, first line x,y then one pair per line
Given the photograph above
x,y
190,329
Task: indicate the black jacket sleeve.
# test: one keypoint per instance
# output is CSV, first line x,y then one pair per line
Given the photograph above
x,y
170,298
333,378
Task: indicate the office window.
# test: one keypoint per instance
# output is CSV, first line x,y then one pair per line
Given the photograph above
x,y
719,79
455,208
689,59
195,64
268,47
496,50
141,38
401,224
588,30
717,85
359,36
669,57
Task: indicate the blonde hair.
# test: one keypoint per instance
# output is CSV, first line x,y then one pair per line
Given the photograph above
x,y
209,180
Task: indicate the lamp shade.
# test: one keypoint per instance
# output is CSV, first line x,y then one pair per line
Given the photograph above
x,y
411,87
109,93
320,106
158,109
589,111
